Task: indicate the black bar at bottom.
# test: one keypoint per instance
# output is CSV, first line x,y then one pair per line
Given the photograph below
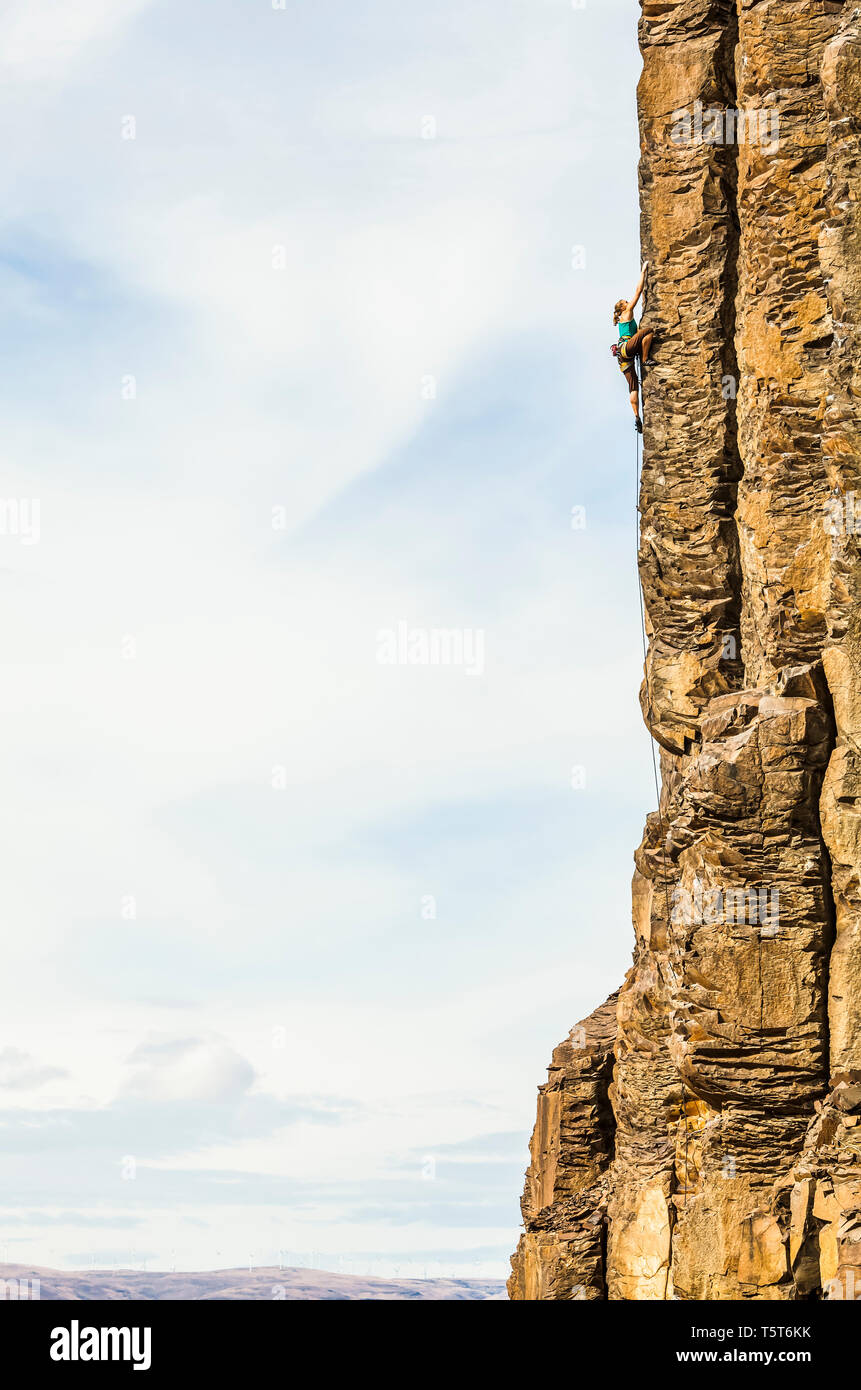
x,y
232,1338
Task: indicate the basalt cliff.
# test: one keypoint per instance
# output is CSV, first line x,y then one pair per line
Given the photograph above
x,y
699,1136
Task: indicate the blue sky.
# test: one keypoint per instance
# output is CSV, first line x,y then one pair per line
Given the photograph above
x,y
290,934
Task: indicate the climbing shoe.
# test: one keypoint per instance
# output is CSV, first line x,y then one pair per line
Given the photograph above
x,y
638,425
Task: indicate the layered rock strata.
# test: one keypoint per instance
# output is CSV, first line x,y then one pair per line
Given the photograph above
x,y
705,1142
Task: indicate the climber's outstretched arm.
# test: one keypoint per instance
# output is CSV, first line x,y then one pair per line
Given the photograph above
x,y
635,297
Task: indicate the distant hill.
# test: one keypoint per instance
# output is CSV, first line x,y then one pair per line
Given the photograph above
x,y
235,1284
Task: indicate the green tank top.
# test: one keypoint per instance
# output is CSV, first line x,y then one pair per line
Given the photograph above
x,y
627,330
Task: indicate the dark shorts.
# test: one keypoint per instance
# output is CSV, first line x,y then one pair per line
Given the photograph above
x,y
630,349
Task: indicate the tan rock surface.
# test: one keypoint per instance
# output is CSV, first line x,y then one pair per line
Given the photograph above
x,y
731,1164
561,1254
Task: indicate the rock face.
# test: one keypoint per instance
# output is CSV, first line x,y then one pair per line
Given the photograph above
x,y
564,1201
700,1135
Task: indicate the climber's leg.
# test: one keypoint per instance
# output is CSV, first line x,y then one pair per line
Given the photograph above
x,y
640,344
633,390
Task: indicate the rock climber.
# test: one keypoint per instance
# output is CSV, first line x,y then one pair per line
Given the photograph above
x,y
633,345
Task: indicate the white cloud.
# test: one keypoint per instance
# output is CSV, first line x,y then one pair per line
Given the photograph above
x,y
21,1072
39,41
191,1069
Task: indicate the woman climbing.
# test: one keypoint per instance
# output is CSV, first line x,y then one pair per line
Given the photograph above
x,y
634,344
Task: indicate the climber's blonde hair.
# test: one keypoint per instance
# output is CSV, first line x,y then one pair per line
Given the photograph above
x,y
619,310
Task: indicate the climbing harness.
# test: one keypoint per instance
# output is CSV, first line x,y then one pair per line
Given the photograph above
x,y
621,356
654,762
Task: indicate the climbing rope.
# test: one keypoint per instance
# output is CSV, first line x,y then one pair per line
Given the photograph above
x,y
654,761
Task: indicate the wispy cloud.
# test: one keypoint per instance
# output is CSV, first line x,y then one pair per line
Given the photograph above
x,y
21,1072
